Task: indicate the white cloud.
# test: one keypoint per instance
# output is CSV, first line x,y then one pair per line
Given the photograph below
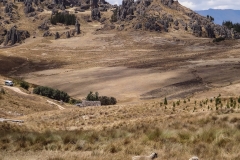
x,y
118,2
215,4
201,4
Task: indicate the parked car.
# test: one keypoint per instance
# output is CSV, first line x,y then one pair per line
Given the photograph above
x,y
8,83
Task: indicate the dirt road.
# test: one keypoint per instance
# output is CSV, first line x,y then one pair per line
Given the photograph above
x,y
60,107
15,89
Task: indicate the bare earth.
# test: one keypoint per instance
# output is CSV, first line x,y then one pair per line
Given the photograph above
x,y
131,66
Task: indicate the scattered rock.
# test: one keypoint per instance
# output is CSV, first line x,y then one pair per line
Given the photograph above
x,y
57,36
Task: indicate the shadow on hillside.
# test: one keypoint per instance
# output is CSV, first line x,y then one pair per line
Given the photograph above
x,y
10,66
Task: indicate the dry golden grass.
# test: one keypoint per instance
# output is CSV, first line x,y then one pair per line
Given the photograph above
x,y
189,128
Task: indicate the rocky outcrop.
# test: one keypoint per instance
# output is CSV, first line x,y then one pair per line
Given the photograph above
x,y
44,26
14,36
95,14
8,8
67,34
77,27
57,36
28,6
47,34
152,15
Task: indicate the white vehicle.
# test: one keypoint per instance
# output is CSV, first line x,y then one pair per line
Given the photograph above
x,y
8,83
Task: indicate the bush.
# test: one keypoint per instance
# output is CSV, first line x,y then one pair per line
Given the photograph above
x,y
74,101
24,85
51,93
219,39
107,100
165,101
103,99
92,97
2,91
68,19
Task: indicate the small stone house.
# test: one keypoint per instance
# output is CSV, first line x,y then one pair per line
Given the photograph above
x,y
89,103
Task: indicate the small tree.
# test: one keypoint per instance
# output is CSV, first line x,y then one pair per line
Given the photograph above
x,y
92,97
174,104
165,101
24,85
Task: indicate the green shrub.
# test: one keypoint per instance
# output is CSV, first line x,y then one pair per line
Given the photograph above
x,y
24,85
92,97
219,39
165,101
74,101
107,100
51,93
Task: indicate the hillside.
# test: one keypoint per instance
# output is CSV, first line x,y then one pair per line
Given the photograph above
x,y
221,15
150,50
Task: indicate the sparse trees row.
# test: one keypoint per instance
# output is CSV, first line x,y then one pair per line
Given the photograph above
x,y
218,102
68,19
103,99
51,93
230,25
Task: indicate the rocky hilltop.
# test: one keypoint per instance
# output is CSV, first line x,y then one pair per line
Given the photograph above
x,y
147,15
167,15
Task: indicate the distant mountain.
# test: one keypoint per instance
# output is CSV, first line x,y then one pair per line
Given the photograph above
x,y
221,15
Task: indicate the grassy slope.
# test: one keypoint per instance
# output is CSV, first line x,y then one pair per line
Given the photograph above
x,y
190,128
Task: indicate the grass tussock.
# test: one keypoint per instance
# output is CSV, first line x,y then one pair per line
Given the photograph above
x,y
207,141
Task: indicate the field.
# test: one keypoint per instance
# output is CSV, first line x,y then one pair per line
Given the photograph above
x,y
140,69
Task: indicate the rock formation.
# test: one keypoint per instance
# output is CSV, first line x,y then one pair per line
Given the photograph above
x,y
44,26
57,36
67,34
77,27
15,36
95,14
151,15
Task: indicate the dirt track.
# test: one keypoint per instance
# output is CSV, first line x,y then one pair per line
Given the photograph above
x,y
15,89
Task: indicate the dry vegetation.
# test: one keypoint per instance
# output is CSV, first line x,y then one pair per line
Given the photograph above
x,y
123,131
140,69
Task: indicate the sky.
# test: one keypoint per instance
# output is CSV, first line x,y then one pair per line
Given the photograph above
x,y
214,4
202,4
